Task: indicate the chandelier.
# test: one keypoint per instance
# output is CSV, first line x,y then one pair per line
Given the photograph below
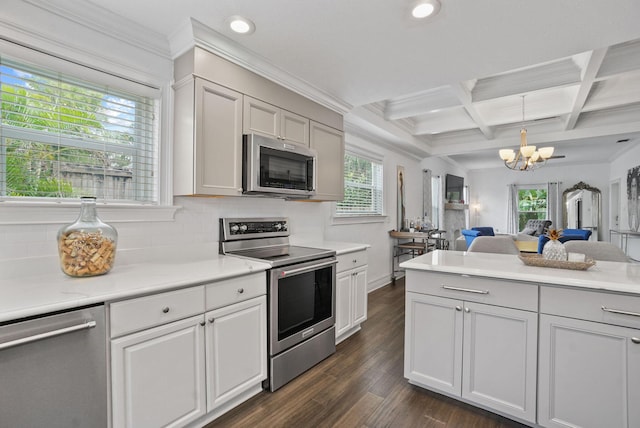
x,y
527,157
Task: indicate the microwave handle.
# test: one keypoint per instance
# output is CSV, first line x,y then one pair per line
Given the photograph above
x,y
306,268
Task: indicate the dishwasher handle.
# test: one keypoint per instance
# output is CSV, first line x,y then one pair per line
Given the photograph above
x,y
41,336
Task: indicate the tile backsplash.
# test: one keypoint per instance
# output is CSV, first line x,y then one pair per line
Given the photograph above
x,y
196,222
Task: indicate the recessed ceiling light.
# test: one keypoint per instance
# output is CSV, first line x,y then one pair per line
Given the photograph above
x,y
241,25
425,8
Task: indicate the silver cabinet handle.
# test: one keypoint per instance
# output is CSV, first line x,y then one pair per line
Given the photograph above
x,y
165,309
467,310
466,290
84,326
635,340
618,311
211,320
202,323
240,290
458,308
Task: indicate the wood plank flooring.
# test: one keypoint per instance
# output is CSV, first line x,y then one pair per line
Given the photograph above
x,y
361,385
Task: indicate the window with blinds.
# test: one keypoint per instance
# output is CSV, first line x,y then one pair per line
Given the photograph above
x,y
64,138
362,187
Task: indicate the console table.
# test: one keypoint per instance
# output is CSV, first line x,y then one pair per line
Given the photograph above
x,y
414,244
624,238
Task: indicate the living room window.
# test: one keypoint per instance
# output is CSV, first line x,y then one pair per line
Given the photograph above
x,y
363,187
62,138
532,204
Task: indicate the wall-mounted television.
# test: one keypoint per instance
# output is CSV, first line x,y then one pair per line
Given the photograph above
x,y
454,186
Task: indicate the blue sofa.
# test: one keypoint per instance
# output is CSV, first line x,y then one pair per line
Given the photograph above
x,y
567,235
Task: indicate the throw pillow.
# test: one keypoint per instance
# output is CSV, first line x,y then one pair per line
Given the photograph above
x,y
540,230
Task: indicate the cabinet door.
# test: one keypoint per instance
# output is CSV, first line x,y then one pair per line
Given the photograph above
x,y
499,359
158,376
294,128
433,342
260,118
589,374
343,302
236,349
218,137
329,143
359,289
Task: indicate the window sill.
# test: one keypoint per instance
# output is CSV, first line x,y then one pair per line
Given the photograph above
x,y
60,213
358,219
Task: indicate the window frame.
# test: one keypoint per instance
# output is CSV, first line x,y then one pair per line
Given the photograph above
x,y
44,211
351,217
521,187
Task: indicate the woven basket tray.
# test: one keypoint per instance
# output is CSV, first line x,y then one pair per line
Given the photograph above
x,y
539,261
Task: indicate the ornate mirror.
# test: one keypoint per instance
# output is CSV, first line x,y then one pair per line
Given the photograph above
x,y
582,209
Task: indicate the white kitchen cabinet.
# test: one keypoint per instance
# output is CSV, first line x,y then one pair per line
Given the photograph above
x,y
187,356
351,293
207,139
589,372
236,337
484,353
271,121
329,144
158,375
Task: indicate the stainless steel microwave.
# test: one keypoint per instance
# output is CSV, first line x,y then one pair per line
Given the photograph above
x,y
278,168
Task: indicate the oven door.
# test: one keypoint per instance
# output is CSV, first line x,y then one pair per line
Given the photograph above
x,y
301,302
276,167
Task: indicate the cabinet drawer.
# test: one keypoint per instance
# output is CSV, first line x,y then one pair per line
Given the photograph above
x,y
234,290
512,294
351,260
144,312
588,305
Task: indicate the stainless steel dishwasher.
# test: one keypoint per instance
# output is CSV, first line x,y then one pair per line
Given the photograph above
x,y
53,370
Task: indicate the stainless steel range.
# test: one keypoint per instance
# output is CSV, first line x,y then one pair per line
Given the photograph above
x,y
301,293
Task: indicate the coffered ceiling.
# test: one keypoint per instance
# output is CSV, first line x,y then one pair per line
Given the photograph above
x,y
449,86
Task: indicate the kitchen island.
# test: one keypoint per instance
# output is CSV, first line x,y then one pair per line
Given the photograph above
x,y
546,347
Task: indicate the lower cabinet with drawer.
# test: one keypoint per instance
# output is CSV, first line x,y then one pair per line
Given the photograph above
x,y
187,356
473,338
589,372
351,293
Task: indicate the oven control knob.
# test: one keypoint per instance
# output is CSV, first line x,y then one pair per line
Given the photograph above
x,y
243,228
234,228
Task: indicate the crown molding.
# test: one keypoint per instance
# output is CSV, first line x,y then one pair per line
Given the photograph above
x,y
101,20
198,34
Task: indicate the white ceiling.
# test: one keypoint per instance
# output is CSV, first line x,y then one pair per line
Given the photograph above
x,y
448,86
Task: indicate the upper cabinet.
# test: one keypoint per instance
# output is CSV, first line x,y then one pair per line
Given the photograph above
x,y
329,143
271,121
217,101
207,156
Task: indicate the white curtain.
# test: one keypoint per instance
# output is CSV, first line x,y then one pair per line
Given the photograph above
x,y
512,209
427,199
554,205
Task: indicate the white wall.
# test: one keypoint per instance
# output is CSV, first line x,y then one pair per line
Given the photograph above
x,y
377,234
488,189
619,168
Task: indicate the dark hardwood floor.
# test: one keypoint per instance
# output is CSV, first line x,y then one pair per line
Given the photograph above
x,y
361,385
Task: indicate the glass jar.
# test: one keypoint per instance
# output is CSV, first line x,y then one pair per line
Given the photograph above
x,y
87,247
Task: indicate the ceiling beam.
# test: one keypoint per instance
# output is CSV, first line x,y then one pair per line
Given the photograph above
x,y
464,95
588,79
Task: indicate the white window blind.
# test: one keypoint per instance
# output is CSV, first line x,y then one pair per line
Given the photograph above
x,y
63,138
362,187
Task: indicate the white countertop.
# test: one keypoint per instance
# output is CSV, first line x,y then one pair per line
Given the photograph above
x,y
338,247
36,286
608,276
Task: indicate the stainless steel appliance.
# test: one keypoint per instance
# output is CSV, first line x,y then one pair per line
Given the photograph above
x,y
274,167
301,293
54,370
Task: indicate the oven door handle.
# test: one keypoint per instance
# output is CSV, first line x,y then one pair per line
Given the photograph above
x,y
306,268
